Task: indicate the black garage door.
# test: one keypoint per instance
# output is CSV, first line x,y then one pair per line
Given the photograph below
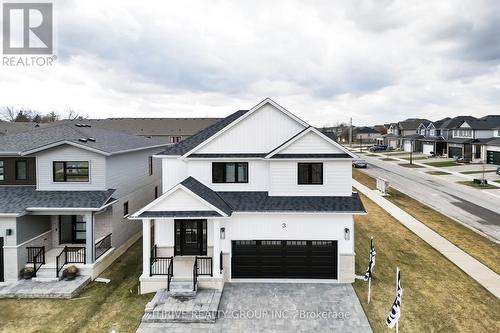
x,y
297,259
493,157
455,151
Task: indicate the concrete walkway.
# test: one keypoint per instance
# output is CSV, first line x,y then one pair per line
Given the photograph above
x,y
52,289
479,272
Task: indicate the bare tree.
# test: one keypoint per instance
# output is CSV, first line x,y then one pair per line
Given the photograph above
x,y
8,113
71,114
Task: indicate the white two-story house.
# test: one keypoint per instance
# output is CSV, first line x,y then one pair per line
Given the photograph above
x,y
65,194
259,196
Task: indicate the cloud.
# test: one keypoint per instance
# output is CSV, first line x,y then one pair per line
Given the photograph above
x,y
377,61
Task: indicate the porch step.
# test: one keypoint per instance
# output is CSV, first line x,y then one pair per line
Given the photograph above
x,y
182,289
46,274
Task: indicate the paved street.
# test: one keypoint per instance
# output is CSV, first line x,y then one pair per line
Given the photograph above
x,y
280,307
479,209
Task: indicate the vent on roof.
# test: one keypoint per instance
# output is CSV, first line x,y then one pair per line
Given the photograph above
x,y
82,125
91,139
83,139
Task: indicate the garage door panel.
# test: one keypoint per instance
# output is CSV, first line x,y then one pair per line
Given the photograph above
x,y
284,259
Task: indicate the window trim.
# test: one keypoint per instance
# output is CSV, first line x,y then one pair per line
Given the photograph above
x,y
235,173
16,171
65,181
309,171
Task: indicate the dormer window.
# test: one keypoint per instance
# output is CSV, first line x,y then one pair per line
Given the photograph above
x,y
230,172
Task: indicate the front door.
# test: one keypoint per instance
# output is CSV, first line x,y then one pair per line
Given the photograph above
x,y
190,237
72,229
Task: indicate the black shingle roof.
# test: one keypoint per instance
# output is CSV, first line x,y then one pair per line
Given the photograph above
x,y
207,194
15,199
186,145
105,140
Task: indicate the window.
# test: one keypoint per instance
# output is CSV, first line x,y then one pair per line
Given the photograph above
x,y
2,172
310,173
460,133
230,172
125,208
71,171
21,170
175,139
156,192
150,162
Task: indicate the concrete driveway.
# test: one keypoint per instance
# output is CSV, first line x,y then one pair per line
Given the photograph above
x,y
280,307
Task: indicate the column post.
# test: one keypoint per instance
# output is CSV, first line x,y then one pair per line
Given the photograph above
x,y
146,247
89,238
216,249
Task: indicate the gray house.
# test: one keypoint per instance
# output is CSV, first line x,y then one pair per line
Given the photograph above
x,y
65,194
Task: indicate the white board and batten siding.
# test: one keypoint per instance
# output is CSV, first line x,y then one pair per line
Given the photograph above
x,y
179,200
45,160
262,131
309,144
337,179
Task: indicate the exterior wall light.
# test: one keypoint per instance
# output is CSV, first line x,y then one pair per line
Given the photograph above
x,y
347,234
8,232
222,233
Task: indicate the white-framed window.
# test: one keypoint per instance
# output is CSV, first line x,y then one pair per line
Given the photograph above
x,y
2,171
175,139
432,132
462,133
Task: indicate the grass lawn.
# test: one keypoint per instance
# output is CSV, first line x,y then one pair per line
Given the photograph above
x,y
497,181
443,164
413,166
437,297
478,186
476,171
479,247
397,153
388,159
99,308
415,158
438,173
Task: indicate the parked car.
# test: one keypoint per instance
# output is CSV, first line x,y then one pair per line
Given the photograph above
x,y
359,164
378,148
498,171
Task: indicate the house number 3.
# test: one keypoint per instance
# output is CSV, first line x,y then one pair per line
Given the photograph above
x,y
283,225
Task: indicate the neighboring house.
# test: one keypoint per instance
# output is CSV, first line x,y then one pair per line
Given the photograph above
x,y
367,134
171,130
65,194
431,140
410,135
259,196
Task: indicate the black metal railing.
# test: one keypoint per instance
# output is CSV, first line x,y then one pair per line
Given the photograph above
x,y
195,273
160,265
170,273
221,262
70,255
33,251
102,246
204,266
38,260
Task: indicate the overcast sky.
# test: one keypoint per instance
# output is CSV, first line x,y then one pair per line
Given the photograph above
x,y
377,61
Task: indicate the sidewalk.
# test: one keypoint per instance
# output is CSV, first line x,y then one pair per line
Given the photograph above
x,y
479,272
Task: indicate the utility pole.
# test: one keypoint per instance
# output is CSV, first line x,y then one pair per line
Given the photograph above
x,y
411,152
361,144
350,132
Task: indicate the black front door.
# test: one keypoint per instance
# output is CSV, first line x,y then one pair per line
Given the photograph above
x,y
72,229
190,237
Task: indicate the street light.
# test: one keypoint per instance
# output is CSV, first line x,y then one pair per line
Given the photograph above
x,y
411,152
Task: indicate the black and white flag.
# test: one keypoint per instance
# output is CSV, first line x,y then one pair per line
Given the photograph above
x,y
395,312
371,264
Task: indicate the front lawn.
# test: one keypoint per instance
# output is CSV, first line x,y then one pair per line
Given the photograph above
x,y
480,247
388,159
99,308
438,173
413,166
478,186
437,297
442,164
476,171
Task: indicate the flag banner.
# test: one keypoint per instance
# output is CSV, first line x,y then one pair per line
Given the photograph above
x,y
371,264
395,312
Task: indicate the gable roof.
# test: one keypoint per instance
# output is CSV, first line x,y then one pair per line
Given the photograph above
x,y
207,194
98,140
365,130
193,141
412,123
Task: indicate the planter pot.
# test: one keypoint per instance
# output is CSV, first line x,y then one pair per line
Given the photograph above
x,y
27,276
70,276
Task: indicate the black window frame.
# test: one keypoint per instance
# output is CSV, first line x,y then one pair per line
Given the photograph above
x,y
125,209
215,181
309,173
25,170
65,173
156,192
150,164
2,167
